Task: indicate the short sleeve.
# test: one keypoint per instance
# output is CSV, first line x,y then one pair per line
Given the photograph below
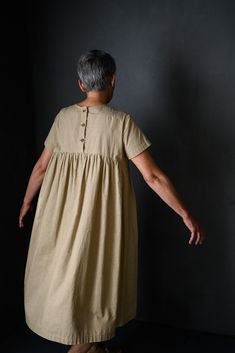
x,y
52,139
134,140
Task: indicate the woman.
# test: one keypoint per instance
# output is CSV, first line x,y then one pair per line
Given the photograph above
x,y
81,271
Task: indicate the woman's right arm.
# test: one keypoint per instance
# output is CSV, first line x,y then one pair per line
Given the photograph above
x,y
162,185
34,183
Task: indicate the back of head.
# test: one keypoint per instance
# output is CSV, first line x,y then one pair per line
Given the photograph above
x,y
95,69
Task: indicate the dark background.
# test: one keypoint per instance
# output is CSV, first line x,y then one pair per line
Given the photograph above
x,y
176,77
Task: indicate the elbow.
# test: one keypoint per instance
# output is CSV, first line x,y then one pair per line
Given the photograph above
x,y
40,170
151,178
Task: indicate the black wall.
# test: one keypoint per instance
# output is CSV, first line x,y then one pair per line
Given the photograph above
x,y
176,76
18,153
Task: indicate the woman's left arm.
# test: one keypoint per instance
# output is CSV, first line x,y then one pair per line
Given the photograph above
x,y
34,183
161,184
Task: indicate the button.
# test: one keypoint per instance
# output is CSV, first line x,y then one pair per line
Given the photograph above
x,y
84,110
83,124
82,140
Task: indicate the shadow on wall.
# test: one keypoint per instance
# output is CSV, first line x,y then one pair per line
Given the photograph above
x,y
180,284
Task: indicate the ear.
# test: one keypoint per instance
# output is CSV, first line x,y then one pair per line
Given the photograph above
x,y
113,79
81,86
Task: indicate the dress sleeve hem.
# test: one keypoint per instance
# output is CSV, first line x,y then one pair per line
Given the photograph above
x,y
140,149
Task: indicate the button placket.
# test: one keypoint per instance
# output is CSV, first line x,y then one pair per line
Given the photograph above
x,y
83,127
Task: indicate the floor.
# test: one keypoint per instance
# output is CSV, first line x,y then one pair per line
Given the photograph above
x,y
134,337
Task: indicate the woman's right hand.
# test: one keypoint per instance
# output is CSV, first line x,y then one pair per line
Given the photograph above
x,y
26,207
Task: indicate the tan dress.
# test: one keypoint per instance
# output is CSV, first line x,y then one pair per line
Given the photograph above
x,y
81,272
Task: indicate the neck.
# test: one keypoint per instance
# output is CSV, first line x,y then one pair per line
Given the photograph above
x,y
96,98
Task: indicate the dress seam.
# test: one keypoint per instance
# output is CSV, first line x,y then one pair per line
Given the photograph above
x,y
84,154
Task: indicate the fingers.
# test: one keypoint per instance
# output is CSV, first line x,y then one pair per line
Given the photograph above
x,y
202,237
192,237
198,238
197,231
23,212
197,235
26,207
21,224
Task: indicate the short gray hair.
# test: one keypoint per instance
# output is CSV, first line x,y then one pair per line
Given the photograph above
x,y
95,69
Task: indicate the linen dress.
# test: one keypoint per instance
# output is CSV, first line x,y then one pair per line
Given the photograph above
x,y
81,272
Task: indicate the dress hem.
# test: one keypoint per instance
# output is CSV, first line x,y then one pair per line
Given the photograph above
x,y
81,338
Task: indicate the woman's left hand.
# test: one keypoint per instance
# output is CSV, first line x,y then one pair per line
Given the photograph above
x,y
197,231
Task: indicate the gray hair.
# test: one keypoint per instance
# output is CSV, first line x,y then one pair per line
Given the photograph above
x,y
95,69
